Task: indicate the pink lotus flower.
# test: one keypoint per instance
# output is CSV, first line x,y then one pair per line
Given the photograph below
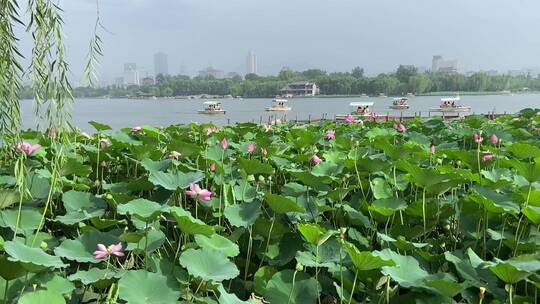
x,y
477,138
136,130
105,252
395,126
370,115
210,131
251,148
330,134
487,157
494,139
28,149
264,151
402,128
213,167
432,149
175,154
104,143
196,192
349,118
224,143
315,160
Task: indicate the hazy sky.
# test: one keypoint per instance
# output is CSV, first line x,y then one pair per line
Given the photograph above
x,y
334,35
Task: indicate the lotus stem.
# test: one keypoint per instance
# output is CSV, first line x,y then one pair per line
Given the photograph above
x,y
510,295
353,287
6,288
424,209
268,240
292,288
248,255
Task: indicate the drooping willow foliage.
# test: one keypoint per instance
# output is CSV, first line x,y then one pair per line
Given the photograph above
x,y
10,69
48,70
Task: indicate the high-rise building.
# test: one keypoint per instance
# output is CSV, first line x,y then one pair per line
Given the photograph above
x,y
161,64
251,63
435,63
439,65
131,75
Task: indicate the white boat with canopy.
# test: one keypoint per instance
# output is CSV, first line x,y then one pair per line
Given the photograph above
x,y
451,105
279,105
401,103
359,109
212,107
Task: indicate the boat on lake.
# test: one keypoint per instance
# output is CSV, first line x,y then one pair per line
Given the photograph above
x,y
279,105
359,110
212,107
401,103
451,105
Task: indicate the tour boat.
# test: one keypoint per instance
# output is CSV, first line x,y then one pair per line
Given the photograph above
x,y
451,105
400,103
359,109
362,108
212,107
279,105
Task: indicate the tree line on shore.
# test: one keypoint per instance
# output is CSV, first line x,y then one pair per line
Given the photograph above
x,y
404,80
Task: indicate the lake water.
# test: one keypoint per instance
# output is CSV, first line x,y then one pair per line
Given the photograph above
x,y
163,112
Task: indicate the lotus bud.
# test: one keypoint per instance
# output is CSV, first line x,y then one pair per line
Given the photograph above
x,y
482,293
109,196
299,267
251,178
447,227
458,163
270,178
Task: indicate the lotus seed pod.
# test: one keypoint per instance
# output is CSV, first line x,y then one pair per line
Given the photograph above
x,y
251,178
270,178
261,179
43,245
439,161
299,267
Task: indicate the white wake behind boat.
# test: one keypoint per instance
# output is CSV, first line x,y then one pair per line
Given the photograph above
x,y
279,105
451,105
400,103
212,107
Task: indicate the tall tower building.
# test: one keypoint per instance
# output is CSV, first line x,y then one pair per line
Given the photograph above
x,y
251,63
131,75
161,64
436,63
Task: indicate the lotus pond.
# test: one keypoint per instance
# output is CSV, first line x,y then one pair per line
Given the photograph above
x,y
424,212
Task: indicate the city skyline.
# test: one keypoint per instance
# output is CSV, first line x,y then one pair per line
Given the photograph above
x,y
356,34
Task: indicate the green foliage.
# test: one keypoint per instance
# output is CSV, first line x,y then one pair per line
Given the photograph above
x,y
381,220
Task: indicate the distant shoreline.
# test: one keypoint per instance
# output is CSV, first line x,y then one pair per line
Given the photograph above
x,y
434,94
